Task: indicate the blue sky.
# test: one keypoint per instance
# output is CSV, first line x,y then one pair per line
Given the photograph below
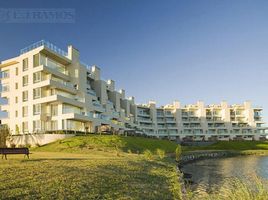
x,y
162,50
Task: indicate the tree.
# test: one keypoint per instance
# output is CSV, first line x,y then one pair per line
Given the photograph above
x,y
4,135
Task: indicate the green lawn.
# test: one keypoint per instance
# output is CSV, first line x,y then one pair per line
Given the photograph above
x,y
231,145
91,167
85,144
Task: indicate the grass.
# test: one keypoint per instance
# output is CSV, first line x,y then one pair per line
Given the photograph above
x,y
253,188
231,146
85,144
113,167
92,167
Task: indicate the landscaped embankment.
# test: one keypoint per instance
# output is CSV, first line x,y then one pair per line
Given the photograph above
x,y
93,167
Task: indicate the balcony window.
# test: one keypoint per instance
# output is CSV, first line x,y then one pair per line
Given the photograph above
x,y
36,125
37,93
5,74
25,127
168,113
36,60
56,66
25,111
70,109
36,109
5,88
25,96
54,125
25,80
37,77
25,64
54,110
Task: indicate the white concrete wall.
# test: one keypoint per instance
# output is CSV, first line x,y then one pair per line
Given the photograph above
x,y
38,139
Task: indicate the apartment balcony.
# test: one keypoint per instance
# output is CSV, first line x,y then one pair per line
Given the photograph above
x,y
170,120
222,131
65,86
48,49
161,127
97,106
143,114
160,114
90,75
172,127
115,114
169,114
144,120
258,119
194,119
79,102
146,126
91,92
5,92
4,107
4,75
57,72
212,131
184,114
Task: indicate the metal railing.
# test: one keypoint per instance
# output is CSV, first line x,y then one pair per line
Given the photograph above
x,y
46,44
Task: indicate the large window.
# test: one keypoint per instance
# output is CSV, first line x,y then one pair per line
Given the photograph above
x,y
25,127
5,74
25,80
54,110
16,86
25,96
17,71
25,111
36,109
25,64
37,77
37,93
36,125
5,87
70,109
36,60
54,125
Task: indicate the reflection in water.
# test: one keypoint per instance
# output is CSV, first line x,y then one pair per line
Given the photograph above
x,y
209,174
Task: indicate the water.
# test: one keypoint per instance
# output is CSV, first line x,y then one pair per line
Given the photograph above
x,y
211,173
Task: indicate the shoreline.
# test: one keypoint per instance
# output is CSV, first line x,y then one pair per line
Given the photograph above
x,y
193,156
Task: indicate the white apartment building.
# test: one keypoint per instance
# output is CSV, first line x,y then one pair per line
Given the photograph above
x,y
47,90
200,122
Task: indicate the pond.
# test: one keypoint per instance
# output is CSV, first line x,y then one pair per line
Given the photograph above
x,y
211,173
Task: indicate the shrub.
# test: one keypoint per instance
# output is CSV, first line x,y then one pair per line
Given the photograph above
x,y
148,154
178,152
161,153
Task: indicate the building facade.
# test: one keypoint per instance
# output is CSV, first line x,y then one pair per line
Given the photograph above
x,y
47,89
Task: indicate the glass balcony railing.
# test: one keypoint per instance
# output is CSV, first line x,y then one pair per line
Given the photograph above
x,y
91,92
4,74
46,44
97,104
